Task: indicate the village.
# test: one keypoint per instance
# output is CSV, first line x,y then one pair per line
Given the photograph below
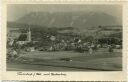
x,y
69,50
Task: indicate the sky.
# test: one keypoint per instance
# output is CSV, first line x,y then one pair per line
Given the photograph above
x,y
16,11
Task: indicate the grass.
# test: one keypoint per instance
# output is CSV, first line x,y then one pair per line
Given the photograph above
x,y
100,60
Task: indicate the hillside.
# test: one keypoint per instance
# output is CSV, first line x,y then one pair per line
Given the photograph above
x,y
64,23
81,20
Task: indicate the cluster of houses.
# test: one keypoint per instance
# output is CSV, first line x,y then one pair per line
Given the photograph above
x,y
13,43
74,43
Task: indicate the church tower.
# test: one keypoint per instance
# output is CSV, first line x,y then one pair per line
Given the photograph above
x,y
29,35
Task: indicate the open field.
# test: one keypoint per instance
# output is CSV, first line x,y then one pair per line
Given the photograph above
x,y
100,60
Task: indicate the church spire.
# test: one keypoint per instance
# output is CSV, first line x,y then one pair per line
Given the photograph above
x,y
29,35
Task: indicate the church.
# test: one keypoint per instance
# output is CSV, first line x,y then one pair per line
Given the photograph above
x,y
25,38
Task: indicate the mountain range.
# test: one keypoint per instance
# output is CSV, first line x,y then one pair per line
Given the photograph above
x,y
81,20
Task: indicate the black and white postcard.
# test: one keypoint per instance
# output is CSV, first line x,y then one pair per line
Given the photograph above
x,y
67,41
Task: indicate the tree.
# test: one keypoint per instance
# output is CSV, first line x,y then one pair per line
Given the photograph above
x,y
23,37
